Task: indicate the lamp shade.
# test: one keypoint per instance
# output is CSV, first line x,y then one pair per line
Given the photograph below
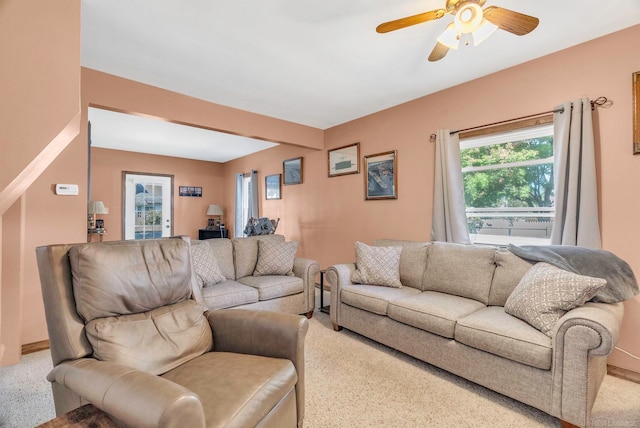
x,y
214,210
97,207
450,37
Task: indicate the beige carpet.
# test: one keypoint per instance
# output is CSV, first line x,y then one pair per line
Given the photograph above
x,y
354,382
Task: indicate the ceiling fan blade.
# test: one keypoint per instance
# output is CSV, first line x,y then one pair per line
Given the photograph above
x,y
438,52
508,20
410,20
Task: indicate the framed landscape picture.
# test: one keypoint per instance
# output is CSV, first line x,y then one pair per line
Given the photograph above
x,y
344,160
272,186
381,176
292,171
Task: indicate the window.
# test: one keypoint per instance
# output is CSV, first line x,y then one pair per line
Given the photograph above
x,y
508,185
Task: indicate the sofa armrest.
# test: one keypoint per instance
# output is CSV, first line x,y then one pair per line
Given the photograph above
x,y
338,276
581,340
132,396
270,334
307,270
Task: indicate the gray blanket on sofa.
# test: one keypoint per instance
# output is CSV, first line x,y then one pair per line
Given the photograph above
x,y
621,282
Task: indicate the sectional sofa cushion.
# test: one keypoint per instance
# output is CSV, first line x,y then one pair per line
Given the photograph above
x,y
494,331
141,341
545,293
373,298
274,286
413,260
149,275
275,257
245,253
206,266
377,265
228,294
432,311
459,269
509,271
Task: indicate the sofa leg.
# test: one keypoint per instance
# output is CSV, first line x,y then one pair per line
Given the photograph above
x,y
566,424
309,314
336,327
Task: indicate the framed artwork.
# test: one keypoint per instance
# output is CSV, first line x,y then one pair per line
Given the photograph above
x,y
272,186
344,160
381,176
292,171
636,113
190,191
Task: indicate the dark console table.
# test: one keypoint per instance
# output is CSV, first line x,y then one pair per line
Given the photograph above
x,y
210,234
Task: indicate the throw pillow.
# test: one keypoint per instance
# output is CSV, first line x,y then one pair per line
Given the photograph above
x,y
205,264
377,265
545,293
275,257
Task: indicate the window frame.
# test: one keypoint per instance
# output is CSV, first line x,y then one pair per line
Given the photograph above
x,y
483,137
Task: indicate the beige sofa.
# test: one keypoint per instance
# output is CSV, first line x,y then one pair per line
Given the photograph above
x,y
449,312
240,288
128,337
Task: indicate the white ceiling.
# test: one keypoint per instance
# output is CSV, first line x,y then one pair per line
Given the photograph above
x,y
319,63
120,131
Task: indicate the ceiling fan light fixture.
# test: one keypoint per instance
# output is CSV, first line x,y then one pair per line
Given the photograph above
x,y
483,32
468,18
450,37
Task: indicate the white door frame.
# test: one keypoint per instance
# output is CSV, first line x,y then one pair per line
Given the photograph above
x,y
138,208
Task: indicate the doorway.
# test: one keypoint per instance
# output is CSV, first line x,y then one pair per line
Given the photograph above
x,y
147,205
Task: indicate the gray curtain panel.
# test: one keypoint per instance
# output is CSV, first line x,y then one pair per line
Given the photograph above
x,y
576,193
449,221
238,225
253,196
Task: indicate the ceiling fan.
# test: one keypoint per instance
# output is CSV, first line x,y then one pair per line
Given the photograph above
x,y
470,23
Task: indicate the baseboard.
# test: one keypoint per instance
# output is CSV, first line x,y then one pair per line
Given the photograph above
x,y
30,348
623,373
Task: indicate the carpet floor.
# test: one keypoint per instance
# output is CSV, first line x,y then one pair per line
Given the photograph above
x,y
354,382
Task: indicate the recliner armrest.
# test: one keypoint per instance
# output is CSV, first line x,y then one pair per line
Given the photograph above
x,y
269,334
134,397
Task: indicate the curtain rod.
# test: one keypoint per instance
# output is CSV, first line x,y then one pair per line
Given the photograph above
x,y
600,101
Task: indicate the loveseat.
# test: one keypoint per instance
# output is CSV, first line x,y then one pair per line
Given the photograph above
x,y
448,309
256,272
129,335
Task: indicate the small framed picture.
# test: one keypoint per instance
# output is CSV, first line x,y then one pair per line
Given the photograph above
x,y
344,160
292,171
272,186
190,191
381,176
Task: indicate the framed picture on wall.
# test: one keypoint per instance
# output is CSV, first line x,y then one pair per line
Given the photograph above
x,y
292,171
272,186
381,176
636,113
344,160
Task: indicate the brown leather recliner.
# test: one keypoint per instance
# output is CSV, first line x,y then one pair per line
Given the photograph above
x,y
129,336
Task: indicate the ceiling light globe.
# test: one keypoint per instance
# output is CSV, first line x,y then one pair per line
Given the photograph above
x,y
468,18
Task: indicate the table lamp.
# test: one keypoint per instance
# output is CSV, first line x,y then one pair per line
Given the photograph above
x,y
96,207
215,211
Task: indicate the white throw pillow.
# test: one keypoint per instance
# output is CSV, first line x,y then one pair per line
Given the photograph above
x,y
545,293
275,257
377,265
206,266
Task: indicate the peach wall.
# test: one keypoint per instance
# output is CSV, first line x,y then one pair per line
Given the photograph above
x,y
329,214
189,212
106,90
40,87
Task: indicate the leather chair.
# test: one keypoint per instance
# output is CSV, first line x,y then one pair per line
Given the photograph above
x,y
130,335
